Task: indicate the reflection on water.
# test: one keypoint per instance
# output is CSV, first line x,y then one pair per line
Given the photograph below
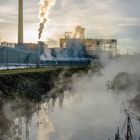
x,y
68,116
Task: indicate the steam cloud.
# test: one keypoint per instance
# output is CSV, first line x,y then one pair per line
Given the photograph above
x,y
90,111
45,6
74,50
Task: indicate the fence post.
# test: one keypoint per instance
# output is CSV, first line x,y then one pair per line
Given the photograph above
x,y
7,59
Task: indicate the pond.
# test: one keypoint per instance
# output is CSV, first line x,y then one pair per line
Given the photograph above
x,y
87,110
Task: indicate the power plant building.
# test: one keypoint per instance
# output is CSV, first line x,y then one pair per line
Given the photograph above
x,y
73,51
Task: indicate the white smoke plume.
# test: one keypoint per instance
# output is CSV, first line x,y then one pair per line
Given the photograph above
x,y
93,112
45,6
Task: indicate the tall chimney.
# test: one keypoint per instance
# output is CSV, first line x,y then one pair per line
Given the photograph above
x,y
20,21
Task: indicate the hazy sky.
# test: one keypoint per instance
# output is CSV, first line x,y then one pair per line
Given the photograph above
x,y
118,19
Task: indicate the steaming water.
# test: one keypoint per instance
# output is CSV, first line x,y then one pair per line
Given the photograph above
x,y
70,116
88,112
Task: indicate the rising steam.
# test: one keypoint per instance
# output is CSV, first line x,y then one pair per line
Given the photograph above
x,y
45,6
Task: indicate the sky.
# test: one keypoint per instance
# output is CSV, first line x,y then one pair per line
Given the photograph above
x,y
119,19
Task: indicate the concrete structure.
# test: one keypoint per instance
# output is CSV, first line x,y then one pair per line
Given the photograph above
x,y
79,30
92,46
20,21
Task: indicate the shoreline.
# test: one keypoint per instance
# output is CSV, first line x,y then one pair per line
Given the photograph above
x,y
35,83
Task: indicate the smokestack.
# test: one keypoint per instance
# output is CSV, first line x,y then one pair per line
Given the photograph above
x,y
20,21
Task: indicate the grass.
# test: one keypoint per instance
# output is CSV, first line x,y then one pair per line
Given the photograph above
x,y
29,70
32,70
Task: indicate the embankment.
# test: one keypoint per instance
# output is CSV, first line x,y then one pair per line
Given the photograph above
x,y
34,83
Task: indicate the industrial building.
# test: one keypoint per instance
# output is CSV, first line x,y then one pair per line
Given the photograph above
x,y
92,46
73,51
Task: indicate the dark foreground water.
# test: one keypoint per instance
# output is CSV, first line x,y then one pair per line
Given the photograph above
x,y
87,112
68,116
